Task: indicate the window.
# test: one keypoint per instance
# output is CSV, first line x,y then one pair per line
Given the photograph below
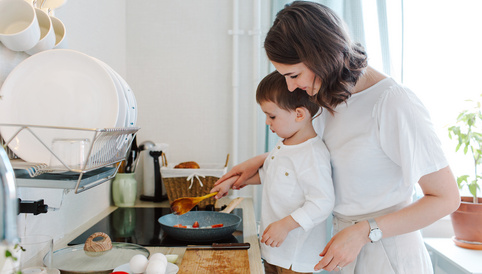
x,y
441,63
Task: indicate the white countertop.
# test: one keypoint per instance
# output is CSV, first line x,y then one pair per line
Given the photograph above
x,y
249,233
463,259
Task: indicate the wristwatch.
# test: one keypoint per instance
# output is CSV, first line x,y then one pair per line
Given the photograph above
x,y
375,232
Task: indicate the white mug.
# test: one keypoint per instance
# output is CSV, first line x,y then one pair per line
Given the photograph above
x,y
60,33
19,28
47,33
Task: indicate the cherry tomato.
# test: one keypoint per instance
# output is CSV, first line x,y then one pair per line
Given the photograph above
x,y
196,224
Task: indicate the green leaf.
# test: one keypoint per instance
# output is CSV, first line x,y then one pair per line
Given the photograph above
x,y
462,180
473,188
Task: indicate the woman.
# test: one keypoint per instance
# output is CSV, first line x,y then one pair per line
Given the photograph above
x,y
381,142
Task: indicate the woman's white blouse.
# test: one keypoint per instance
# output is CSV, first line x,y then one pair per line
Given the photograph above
x,y
381,143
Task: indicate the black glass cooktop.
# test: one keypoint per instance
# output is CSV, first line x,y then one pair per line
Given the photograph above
x,y
140,226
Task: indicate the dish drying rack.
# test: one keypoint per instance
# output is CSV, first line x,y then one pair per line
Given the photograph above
x,y
107,148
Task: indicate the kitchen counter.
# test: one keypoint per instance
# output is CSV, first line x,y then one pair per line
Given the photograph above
x,y
249,232
453,259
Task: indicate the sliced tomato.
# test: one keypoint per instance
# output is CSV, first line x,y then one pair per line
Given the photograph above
x,y
217,225
196,224
180,225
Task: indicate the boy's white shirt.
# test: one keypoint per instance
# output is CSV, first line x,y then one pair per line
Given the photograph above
x,y
297,181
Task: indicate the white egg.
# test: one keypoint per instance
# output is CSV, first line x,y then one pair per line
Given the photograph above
x,y
156,267
138,263
158,256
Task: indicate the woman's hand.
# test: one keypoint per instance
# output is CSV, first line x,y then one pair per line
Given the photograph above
x,y
224,187
344,247
441,197
276,232
243,171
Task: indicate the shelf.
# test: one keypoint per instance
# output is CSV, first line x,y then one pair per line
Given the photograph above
x,y
107,147
65,180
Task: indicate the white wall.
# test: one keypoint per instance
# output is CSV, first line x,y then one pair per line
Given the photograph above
x,y
179,64
100,32
177,58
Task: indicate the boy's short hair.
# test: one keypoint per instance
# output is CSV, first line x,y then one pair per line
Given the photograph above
x,y
273,88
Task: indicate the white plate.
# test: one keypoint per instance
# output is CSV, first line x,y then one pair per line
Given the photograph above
x,y
57,87
123,113
131,101
171,268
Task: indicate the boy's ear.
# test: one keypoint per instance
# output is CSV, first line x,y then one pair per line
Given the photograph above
x,y
300,114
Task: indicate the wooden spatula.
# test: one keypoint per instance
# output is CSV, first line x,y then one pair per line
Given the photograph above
x,y
185,204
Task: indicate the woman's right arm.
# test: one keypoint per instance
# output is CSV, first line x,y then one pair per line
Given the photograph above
x,y
245,170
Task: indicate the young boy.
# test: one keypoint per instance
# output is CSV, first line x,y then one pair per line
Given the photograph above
x,y
298,193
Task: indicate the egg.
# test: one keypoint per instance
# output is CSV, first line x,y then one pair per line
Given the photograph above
x,y
138,263
156,267
158,256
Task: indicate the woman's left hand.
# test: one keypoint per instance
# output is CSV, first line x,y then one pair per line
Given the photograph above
x,y
344,247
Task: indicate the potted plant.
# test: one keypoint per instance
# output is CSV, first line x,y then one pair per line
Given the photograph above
x,y
467,219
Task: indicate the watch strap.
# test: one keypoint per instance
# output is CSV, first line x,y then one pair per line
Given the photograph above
x,y
373,224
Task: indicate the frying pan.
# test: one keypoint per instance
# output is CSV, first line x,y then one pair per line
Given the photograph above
x,y
205,218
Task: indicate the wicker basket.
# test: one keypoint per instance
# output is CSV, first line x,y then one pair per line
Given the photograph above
x,y
178,187
183,182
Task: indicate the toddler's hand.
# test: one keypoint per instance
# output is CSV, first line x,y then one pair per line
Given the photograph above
x,y
275,234
224,187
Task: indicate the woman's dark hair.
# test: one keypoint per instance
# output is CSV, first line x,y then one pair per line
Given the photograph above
x,y
273,88
310,33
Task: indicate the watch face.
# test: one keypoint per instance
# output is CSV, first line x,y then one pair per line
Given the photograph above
x,y
375,235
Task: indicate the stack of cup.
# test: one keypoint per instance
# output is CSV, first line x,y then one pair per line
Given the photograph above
x,y
60,33
24,27
47,33
19,28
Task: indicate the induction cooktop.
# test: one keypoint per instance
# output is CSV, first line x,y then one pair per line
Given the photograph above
x,y
140,226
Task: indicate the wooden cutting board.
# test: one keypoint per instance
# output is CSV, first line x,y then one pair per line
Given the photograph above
x,y
214,261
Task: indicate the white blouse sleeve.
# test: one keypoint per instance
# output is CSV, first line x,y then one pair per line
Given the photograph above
x,y
407,135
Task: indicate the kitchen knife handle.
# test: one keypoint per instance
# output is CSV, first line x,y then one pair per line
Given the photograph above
x,y
231,246
221,246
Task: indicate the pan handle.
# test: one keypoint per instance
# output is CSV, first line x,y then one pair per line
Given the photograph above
x,y
232,205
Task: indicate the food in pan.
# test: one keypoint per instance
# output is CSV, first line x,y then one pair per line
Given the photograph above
x,y
196,225
190,164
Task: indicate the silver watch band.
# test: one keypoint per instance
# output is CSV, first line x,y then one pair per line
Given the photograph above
x,y
372,223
